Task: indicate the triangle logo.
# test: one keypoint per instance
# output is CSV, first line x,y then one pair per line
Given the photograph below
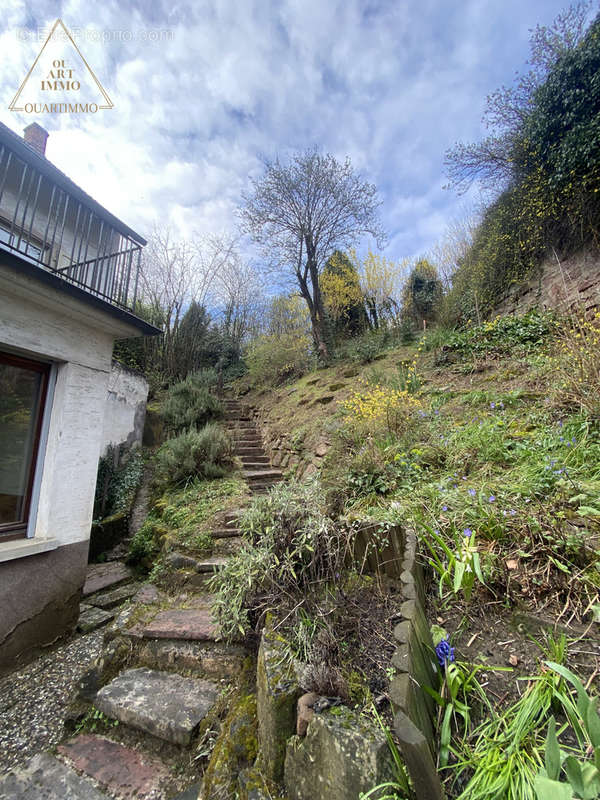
x,y
60,79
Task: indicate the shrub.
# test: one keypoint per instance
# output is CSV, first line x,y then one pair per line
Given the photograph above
x,y
205,453
190,402
366,348
505,334
376,406
273,360
578,364
291,547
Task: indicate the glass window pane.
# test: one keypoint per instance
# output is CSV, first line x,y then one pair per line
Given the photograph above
x,y
20,400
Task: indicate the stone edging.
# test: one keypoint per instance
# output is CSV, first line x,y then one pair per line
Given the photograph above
x,y
415,663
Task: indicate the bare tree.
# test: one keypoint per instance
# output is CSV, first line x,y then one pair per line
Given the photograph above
x,y
301,212
236,289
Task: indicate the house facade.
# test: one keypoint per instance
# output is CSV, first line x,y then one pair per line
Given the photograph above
x,y
68,283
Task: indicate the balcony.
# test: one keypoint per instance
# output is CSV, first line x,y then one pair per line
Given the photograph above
x,y
48,221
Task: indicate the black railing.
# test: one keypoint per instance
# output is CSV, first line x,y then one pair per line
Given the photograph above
x,y
46,224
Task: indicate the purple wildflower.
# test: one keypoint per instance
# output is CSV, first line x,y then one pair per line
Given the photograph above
x,y
444,508
444,653
492,405
467,532
472,492
491,498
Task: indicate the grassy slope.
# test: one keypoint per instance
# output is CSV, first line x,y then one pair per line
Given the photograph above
x,y
494,452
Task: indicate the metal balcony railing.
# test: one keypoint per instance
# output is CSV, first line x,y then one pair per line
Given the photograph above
x,y
50,222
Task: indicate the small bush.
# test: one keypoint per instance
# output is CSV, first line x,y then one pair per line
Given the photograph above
x,y
578,365
275,359
190,402
205,453
375,406
504,335
291,547
365,349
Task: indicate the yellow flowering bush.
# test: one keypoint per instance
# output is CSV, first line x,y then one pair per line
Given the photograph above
x,y
578,364
377,406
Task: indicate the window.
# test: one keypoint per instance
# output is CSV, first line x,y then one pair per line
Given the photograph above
x,y
25,245
23,387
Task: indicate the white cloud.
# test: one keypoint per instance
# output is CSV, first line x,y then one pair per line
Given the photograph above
x,y
392,84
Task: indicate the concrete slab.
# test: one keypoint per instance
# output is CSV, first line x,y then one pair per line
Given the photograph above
x,y
163,704
101,576
93,618
47,778
123,771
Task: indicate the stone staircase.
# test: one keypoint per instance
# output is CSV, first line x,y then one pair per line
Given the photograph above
x,y
258,472
181,667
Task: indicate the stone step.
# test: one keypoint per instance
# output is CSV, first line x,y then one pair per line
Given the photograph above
x,y
261,474
165,705
92,618
228,546
256,465
212,564
114,597
224,533
249,443
101,576
249,450
124,772
187,624
47,778
232,516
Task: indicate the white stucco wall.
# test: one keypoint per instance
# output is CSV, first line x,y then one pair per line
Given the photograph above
x,y
41,323
125,408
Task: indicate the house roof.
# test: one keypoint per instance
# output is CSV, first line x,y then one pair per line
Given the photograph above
x,y
28,154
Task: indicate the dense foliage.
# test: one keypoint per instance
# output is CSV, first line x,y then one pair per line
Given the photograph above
x,y
545,156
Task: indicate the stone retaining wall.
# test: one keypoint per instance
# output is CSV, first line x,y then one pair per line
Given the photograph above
x,y
570,284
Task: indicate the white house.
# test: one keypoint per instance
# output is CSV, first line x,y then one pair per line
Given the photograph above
x,y
68,282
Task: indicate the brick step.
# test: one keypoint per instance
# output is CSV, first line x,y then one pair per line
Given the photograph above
x,y
165,705
122,771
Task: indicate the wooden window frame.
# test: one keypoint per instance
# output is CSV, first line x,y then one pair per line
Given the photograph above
x,y
18,530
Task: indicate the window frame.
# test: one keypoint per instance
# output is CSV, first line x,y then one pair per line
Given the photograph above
x,y
19,530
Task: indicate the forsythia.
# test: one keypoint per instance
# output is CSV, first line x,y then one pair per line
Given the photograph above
x,y
380,404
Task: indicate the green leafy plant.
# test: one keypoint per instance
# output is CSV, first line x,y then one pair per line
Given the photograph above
x,y
582,776
456,567
204,453
290,546
398,788
504,755
190,402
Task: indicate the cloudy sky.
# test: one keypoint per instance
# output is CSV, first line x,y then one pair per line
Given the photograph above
x,y
203,91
